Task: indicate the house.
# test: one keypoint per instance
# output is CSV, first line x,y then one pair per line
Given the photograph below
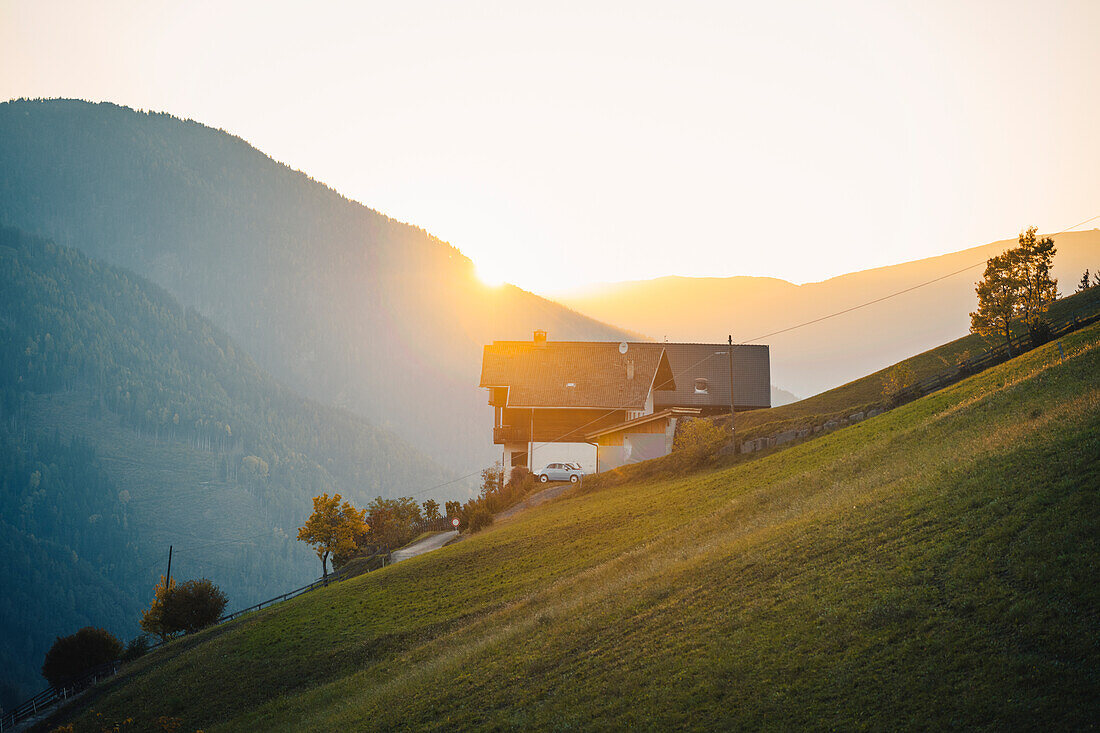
x,y
604,404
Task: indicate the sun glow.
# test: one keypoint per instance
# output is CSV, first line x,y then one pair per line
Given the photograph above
x,y
489,275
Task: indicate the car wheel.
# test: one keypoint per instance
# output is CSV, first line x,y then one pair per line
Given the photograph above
x,y
543,478
574,479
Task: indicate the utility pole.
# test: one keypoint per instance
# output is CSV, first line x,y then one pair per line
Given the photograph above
x,y
168,578
733,428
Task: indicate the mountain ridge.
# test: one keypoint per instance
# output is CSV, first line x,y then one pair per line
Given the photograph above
x,y
820,355
342,303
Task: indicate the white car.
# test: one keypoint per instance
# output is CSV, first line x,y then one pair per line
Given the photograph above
x,y
570,472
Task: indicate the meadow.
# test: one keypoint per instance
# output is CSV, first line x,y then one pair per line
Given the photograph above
x,y
931,567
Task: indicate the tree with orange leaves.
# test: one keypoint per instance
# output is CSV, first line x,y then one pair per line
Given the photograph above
x,y
152,619
332,528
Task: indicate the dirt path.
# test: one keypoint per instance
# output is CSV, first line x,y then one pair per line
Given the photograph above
x,y
426,545
534,500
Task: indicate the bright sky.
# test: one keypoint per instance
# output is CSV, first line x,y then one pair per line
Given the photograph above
x,y
559,144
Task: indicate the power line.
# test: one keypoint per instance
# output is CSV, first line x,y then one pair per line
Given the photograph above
x,y
755,338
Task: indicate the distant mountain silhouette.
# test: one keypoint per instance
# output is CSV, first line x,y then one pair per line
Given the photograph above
x,y
782,397
340,302
823,355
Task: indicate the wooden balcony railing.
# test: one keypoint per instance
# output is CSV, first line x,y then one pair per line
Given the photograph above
x,y
509,434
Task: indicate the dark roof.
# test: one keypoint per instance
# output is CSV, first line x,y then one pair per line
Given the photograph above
x,y
689,362
541,375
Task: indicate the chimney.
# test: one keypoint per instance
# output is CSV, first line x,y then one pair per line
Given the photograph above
x,y
540,337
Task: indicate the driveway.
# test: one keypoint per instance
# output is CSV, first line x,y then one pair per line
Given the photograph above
x,y
534,500
426,545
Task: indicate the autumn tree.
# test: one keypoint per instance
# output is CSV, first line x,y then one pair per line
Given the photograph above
x,y
1016,284
431,510
897,381
1034,259
332,528
152,619
453,509
492,479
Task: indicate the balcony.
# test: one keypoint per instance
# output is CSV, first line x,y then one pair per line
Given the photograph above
x,y
509,434
498,396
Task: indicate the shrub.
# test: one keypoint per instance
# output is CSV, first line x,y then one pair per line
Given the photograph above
x,y
480,518
520,475
896,384
193,605
699,439
137,648
1039,331
70,656
962,362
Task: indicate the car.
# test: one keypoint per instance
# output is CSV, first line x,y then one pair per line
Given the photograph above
x,y
570,472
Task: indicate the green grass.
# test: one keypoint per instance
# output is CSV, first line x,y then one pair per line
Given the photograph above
x,y
932,567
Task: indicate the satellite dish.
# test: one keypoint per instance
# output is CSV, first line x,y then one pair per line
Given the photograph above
x,y
623,346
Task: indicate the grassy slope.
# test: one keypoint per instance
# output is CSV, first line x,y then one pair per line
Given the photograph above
x,y
866,391
930,567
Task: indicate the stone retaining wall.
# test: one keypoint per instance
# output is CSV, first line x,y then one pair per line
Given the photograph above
x,y
787,436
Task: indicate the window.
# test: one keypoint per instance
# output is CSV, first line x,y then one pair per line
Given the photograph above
x,y
701,385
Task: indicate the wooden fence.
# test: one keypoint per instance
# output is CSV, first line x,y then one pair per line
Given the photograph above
x,y
1001,353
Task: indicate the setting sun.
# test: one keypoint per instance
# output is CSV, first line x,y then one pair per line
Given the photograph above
x,y
490,275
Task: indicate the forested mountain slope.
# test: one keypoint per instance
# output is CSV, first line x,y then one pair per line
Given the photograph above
x,y
128,423
828,353
932,567
338,301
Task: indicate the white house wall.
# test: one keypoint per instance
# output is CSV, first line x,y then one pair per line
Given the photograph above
x,y
583,454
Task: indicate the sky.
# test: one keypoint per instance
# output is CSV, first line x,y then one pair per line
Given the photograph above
x,y
559,144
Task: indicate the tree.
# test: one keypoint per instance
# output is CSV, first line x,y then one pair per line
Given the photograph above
x,y
332,528
998,298
492,479
193,605
70,656
1016,284
1034,258
254,470
431,510
152,619
392,520
453,509
1085,283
